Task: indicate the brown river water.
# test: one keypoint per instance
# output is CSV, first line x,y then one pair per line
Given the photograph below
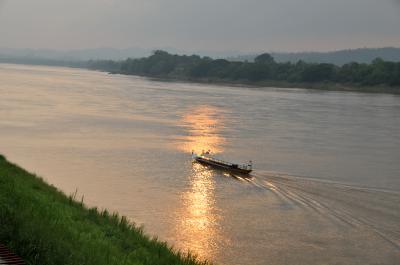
x,y
326,181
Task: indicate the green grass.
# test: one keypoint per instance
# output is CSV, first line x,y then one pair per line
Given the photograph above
x,y
44,226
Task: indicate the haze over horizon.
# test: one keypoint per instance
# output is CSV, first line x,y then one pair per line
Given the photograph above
x,y
219,25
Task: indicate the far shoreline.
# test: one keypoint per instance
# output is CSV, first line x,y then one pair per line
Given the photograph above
x,y
321,86
324,86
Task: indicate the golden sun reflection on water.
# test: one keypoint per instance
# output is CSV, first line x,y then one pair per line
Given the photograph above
x,y
198,220
204,125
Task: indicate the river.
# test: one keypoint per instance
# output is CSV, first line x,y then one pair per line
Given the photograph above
x,y
326,181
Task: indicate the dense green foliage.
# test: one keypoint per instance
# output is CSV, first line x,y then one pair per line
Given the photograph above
x,y
264,68
341,57
44,226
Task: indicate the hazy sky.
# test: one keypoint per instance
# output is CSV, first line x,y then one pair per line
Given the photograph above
x,y
218,25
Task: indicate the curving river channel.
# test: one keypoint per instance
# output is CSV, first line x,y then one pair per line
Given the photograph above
x,y
326,184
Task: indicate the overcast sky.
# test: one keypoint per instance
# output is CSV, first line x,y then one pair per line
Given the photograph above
x,y
193,25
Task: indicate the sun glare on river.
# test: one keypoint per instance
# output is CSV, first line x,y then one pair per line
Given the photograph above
x,y
197,222
203,125
198,219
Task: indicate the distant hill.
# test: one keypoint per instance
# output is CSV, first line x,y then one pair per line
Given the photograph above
x,y
33,55
363,55
73,55
48,56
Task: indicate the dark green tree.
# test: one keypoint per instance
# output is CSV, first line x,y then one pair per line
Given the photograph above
x,y
264,58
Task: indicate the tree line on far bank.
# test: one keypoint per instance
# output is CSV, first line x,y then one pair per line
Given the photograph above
x,y
264,68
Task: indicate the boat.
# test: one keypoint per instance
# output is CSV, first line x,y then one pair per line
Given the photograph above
x,y
206,159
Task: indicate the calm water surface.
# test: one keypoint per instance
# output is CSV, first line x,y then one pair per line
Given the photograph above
x,y
326,185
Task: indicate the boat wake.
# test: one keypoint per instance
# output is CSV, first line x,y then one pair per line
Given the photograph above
x,y
373,210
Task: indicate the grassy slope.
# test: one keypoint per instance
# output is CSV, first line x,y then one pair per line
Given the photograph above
x,y
44,226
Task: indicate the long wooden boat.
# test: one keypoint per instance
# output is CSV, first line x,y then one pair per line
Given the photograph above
x,y
207,159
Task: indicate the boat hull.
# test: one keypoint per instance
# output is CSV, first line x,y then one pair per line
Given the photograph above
x,y
222,166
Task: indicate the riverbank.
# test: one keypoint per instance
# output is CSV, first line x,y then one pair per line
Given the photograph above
x,y
325,86
378,76
44,226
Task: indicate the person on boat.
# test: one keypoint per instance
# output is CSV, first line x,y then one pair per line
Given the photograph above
x,y
250,165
